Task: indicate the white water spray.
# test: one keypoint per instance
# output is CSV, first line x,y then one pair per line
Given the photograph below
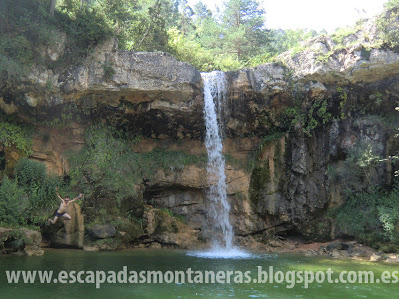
x,y
219,209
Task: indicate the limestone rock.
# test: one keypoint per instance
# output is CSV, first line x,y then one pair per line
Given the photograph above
x,y
21,240
71,234
167,230
375,258
128,232
155,245
103,231
282,182
109,244
271,79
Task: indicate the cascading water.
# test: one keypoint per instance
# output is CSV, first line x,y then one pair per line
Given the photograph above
x,y
219,209
215,89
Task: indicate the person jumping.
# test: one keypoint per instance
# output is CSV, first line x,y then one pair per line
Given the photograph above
x,y
61,212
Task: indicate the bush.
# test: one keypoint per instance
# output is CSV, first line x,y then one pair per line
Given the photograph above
x,y
37,188
13,204
85,28
29,174
388,24
16,135
26,26
371,217
203,59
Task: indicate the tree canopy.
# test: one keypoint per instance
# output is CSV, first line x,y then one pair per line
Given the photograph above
x,y
233,38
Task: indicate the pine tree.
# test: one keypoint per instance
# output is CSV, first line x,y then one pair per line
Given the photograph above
x,y
244,28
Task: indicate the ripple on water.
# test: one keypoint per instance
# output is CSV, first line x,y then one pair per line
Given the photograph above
x,y
222,253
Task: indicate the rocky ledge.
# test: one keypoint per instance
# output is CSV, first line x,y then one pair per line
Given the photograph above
x,y
287,125
20,241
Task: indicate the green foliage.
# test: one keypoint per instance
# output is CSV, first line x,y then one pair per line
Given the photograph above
x,y
108,165
49,84
28,200
138,25
39,188
109,71
291,39
85,28
360,161
391,4
339,36
16,48
371,217
171,214
30,174
24,24
332,173
324,57
68,112
16,135
232,39
13,204
243,23
254,156
202,58
388,24
315,115
26,27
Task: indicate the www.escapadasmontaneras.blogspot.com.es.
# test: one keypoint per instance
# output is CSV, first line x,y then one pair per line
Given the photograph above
x,y
269,275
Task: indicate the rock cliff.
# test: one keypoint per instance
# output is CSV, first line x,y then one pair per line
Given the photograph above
x,y
290,127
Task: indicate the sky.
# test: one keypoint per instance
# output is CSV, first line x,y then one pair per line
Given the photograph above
x,y
312,14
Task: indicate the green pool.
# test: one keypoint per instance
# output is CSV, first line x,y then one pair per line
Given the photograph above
x,y
178,260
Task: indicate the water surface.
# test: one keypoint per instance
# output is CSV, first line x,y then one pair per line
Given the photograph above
x,y
173,260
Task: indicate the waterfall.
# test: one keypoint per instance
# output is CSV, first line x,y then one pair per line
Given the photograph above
x,y
215,88
219,209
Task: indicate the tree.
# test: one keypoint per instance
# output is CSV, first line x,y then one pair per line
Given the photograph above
x,y
186,12
52,7
155,35
201,12
283,40
244,28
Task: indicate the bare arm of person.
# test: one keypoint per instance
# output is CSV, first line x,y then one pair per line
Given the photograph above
x,y
56,190
80,195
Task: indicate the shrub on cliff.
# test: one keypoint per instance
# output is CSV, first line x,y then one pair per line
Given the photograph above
x,y
13,203
388,24
29,198
39,188
372,218
111,173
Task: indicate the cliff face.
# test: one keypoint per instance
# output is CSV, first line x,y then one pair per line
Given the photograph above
x,y
290,128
